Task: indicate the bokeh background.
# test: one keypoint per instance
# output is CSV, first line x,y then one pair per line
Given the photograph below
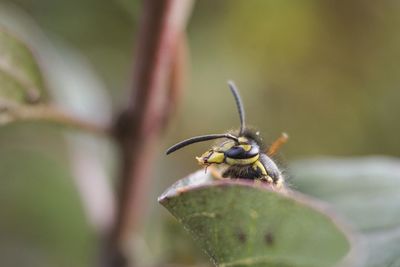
x,y
326,72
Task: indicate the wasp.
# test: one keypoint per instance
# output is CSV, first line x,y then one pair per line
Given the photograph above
x,y
241,153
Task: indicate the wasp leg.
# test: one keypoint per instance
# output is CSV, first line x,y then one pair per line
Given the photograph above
x,y
274,147
215,173
265,177
279,183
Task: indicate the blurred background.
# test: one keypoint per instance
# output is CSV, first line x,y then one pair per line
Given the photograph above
x,y
325,72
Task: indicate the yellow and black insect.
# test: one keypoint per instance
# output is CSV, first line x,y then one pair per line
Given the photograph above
x,y
241,153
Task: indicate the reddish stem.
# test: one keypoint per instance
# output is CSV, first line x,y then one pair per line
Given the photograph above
x,y
139,127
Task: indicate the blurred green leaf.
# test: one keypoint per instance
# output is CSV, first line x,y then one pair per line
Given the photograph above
x,y
21,82
20,76
42,219
239,223
366,191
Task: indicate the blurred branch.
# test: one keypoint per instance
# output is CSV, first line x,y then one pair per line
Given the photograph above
x,y
157,83
14,112
179,75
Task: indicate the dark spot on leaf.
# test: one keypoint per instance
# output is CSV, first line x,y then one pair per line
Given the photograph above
x,y
241,236
200,228
269,239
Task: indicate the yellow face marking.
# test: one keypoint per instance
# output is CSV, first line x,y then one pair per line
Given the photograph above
x,y
248,161
211,157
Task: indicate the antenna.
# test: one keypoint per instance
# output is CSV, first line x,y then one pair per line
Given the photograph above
x,y
200,138
239,105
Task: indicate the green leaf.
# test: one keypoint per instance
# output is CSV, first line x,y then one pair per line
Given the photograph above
x,y
20,76
366,191
21,82
240,223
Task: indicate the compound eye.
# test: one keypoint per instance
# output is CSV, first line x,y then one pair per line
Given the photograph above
x,y
236,152
242,151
